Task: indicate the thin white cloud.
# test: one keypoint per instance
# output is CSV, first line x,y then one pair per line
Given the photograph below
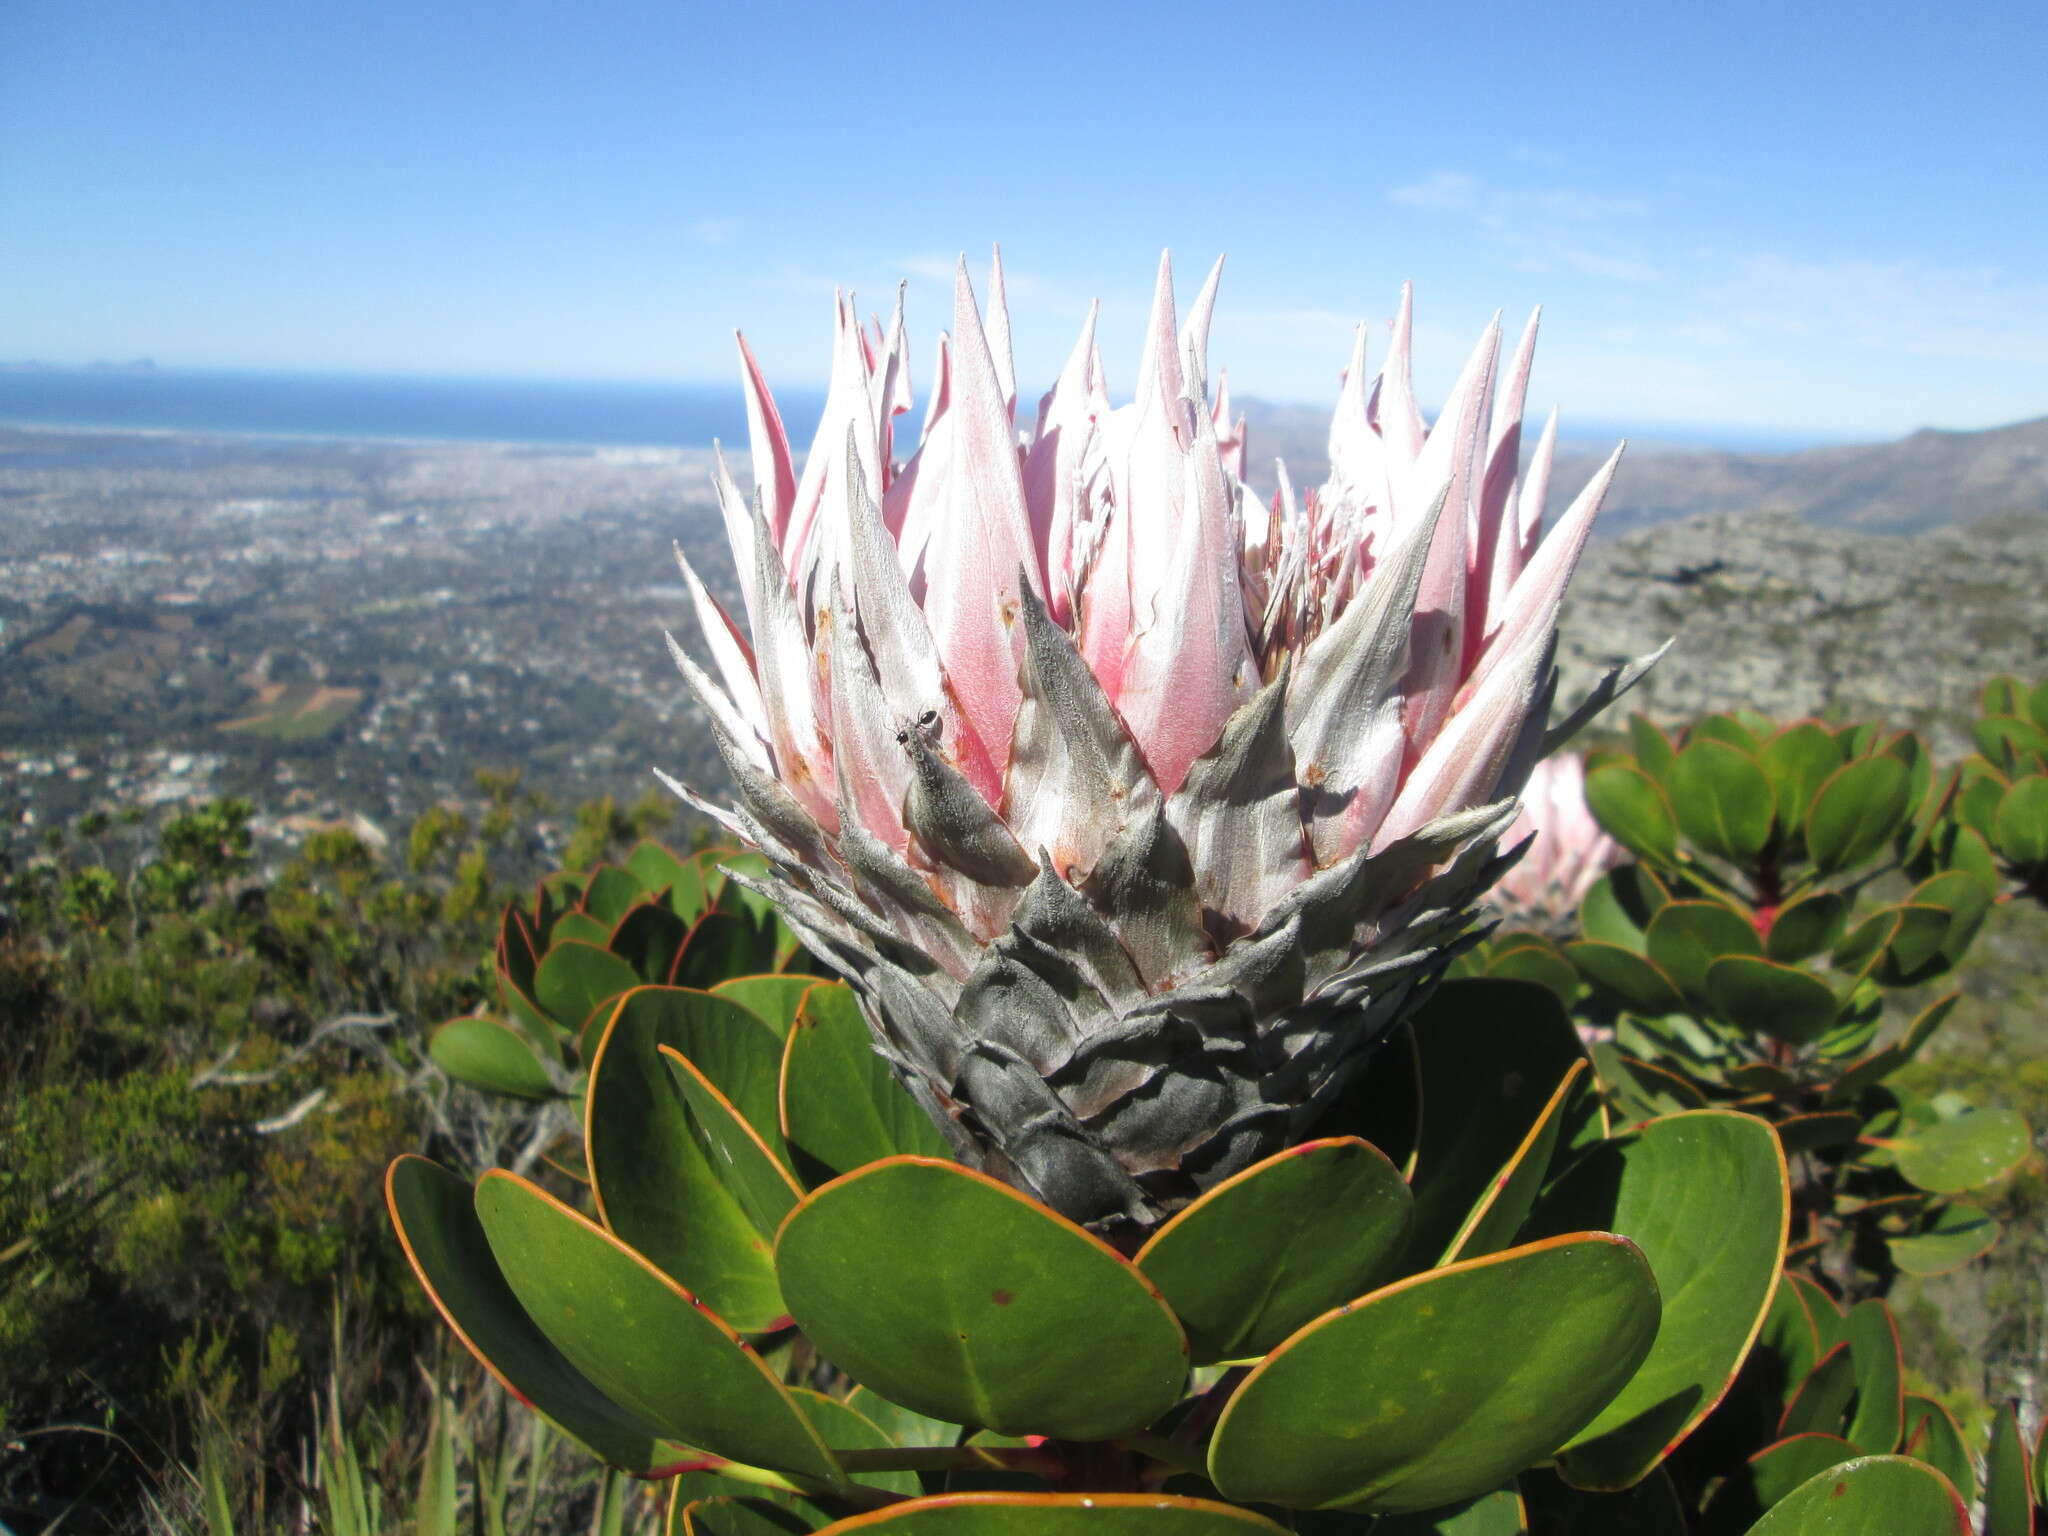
x,y
1539,229
1903,306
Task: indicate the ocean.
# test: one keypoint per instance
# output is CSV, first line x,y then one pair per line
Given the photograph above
x,y
561,411
339,405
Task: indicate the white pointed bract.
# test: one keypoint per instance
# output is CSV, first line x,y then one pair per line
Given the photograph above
x,y
1135,811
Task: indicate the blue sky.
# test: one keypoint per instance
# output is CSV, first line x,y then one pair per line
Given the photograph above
x,y
1818,219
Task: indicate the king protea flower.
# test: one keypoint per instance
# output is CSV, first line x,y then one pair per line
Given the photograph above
x,y
1568,851
1136,811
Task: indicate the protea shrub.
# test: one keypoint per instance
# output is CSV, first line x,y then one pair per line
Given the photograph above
x,y
1136,809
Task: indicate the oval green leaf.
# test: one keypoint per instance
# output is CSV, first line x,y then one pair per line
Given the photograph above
x,y
1723,800
2020,829
1781,1001
655,1187
1440,1386
1798,760
961,1298
1706,1196
1632,807
1892,1494
1686,937
1768,1476
1857,812
1934,1436
490,1056
749,1165
1807,926
643,1340
1957,1234
1281,1243
575,978
841,1105
1950,1156
1879,1422
2008,1495
1632,980
444,1242
1492,1054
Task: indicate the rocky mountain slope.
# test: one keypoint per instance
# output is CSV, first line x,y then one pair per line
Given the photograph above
x,y
1928,480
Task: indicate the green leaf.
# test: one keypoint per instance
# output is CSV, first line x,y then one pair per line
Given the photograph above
x,y
2020,829
1892,1494
1933,1436
1499,1513
1653,749
655,1187
657,869
844,1427
1966,899
1950,1156
772,997
902,1425
962,1299
1797,761
1828,1320
576,979
1880,1418
1857,813
1609,916
841,1105
1788,1335
1820,1404
643,1340
2008,1494
1270,1248
1722,800
1633,808
1769,1476
609,892
2010,742
1538,961
1705,1195
1634,981
1782,1001
648,938
1641,1091
491,1056
722,946
1805,927
1502,1207
580,928
1058,1514
1724,728
2001,695
748,1163
1476,1371
1686,937
445,1244
1492,1052
1914,952
1955,1235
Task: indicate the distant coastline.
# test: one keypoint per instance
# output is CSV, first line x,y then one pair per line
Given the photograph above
x,y
407,408
393,408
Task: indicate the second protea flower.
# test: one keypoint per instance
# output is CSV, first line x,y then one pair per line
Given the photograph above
x,y
1135,810
1568,851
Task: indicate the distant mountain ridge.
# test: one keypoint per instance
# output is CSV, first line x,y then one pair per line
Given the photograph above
x,y
1931,479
